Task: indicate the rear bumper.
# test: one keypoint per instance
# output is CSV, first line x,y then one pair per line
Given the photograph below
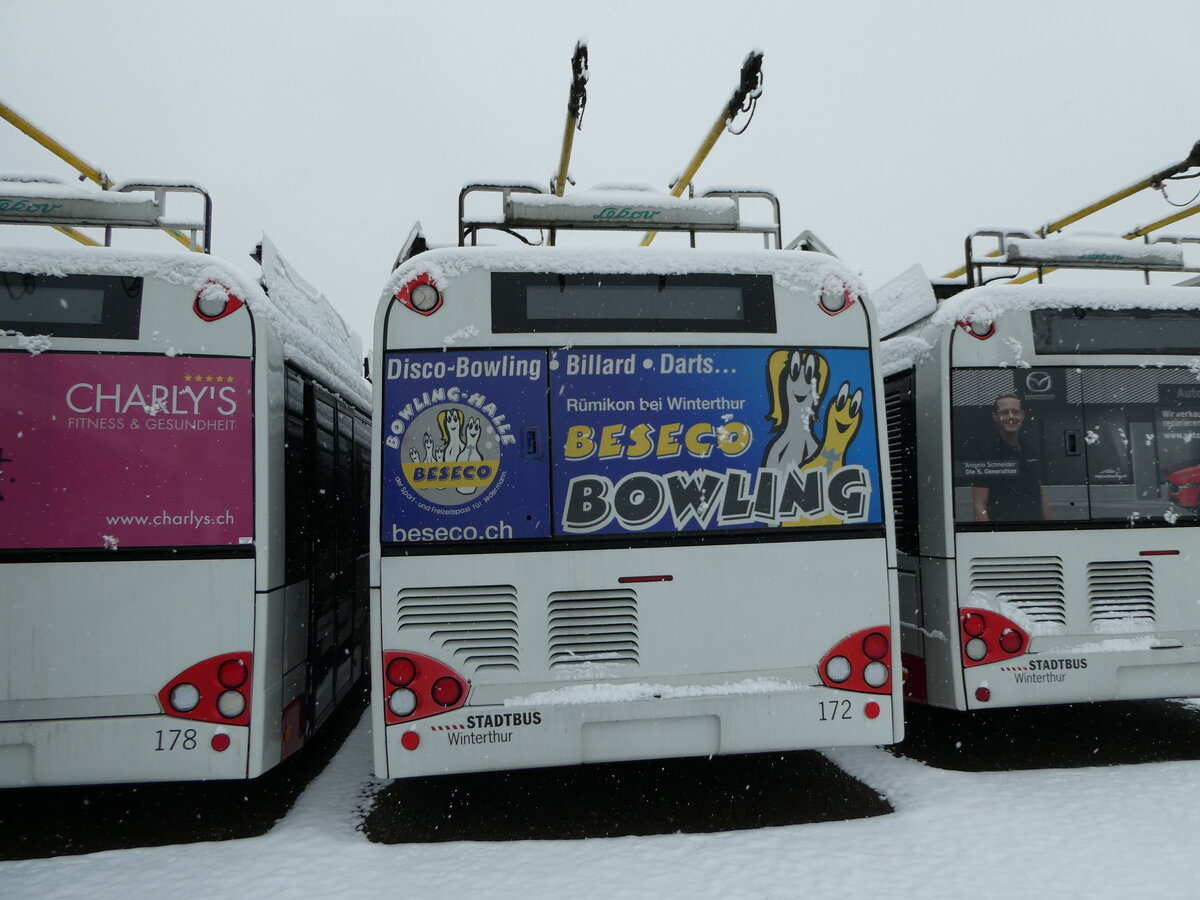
x,y
558,728
1085,676
118,750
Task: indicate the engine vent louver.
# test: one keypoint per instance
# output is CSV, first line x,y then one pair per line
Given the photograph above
x,y
476,625
593,627
1032,584
1121,596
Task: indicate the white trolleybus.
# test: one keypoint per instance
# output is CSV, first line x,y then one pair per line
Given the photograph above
x,y
183,503
627,504
1045,452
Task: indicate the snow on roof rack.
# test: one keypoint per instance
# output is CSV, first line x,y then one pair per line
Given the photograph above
x,y
1022,249
529,207
25,201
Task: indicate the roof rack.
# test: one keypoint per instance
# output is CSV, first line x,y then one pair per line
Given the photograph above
x,y
528,207
1011,248
38,200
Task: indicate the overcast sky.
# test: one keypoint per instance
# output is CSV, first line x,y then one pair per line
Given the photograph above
x,y
890,129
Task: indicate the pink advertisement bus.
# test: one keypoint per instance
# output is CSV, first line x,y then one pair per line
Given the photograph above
x,y
183,516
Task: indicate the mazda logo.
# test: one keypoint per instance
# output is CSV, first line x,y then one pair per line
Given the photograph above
x,y
1038,382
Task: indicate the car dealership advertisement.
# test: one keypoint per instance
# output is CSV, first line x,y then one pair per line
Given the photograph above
x,y
120,451
510,444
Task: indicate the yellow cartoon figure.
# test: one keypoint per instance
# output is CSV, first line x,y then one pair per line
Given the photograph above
x,y
842,421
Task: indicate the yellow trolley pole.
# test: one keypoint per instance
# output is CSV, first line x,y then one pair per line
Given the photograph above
x,y
1192,160
85,169
576,101
744,98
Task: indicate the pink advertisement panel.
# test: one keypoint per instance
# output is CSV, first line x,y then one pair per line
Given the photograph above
x,y
120,451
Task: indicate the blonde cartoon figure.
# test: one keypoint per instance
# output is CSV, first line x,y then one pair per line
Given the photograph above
x,y
796,382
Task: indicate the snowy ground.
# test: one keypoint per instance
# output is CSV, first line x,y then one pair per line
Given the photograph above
x,y
1115,831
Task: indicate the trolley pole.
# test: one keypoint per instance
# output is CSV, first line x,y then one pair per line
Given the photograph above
x,y
576,101
744,99
1155,180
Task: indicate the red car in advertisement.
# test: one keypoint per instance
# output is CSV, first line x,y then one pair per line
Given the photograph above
x,y
1183,487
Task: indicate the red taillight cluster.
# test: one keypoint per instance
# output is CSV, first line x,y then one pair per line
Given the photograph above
x,y
417,686
213,690
215,301
860,662
989,637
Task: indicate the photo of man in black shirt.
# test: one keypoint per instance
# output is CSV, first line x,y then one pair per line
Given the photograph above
x,y
1011,489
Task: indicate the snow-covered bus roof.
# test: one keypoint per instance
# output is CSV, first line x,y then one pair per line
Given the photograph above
x,y
982,305
791,268
312,332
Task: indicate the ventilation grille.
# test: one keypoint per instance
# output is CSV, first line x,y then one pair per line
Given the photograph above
x,y
899,435
477,625
593,627
1121,596
1032,584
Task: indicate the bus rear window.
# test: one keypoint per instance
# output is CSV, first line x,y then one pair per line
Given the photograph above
x,y
1115,331
537,302
84,306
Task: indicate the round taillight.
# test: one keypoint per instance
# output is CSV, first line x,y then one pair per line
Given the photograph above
x,y
184,697
220,742
835,297
974,624
231,704
424,297
976,649
871,710
875,674
232,673
410,740
1011,641
978,328
838,669
983,694
212,300
401,671
402,702
875,645
446,691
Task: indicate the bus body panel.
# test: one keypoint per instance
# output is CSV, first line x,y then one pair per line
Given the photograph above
x,y
1082,647
80,693
727,681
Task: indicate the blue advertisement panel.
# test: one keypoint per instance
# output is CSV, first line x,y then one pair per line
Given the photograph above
x,y
712,439
494,445
465,452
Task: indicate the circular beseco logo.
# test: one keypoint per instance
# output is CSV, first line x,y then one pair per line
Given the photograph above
x,y
449,454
